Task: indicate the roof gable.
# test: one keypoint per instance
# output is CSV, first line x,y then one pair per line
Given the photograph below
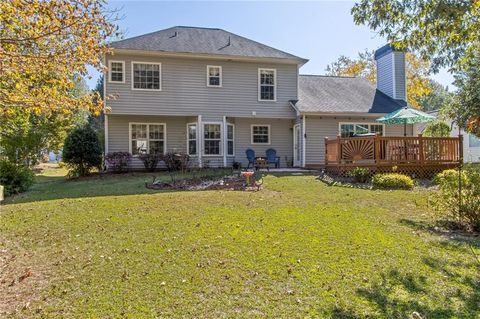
x,y
197,40
331,94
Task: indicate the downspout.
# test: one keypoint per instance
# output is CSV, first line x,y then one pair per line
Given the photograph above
x,y
199,142
225,147
304,140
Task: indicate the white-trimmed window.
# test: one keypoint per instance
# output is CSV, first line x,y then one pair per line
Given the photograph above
x,y
214,75
116,71
260,134
230,139
267,84
212,139
146,76
147,138
350,129
192,138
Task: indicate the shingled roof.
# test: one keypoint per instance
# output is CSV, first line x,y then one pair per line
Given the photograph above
x,y
197,40
332,94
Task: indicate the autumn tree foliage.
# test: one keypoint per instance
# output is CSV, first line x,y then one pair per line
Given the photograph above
x,y
44,45
442,31
418,81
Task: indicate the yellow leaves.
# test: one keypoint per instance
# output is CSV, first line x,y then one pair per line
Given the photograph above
x,y
43,45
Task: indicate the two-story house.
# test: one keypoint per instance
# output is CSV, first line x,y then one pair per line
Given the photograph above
x,y
213,94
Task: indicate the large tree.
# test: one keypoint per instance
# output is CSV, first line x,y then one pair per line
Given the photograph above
x,y
447,32
43,46
418,82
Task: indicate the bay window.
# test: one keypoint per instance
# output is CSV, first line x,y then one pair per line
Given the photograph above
x,y
192,139
230,139
212,139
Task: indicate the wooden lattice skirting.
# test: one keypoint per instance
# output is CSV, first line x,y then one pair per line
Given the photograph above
x,y
422,171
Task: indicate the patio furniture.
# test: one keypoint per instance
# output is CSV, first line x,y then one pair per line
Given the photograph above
x,y
261,162
272,157
251,157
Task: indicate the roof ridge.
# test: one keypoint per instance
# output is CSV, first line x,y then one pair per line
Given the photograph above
x,y
331,76
192,27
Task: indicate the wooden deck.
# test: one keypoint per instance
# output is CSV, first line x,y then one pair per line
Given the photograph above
x,y
416,155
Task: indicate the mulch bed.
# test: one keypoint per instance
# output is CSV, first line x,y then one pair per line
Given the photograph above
x,y
233,183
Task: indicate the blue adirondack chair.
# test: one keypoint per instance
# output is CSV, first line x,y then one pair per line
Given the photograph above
x,y
251,157
272,157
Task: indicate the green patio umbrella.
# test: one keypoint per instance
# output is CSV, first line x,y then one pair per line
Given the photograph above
x,y
406,115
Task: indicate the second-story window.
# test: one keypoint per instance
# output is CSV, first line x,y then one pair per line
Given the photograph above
x,y
116,71
214,75
267,82
146,76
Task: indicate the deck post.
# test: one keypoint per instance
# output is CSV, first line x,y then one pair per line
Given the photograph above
x,y
339,149
421,151
376,147
326,150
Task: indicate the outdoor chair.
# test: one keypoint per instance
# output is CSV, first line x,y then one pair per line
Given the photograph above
x,y
251,157
272,157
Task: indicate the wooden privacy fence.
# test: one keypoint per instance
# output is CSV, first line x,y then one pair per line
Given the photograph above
x,y
416,154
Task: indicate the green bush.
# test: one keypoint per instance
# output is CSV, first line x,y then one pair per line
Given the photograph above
x,y
462,207
150,161
82,150
15,178
392,181
359,174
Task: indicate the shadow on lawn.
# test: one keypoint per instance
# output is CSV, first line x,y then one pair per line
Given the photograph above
x,y
60,187
411,294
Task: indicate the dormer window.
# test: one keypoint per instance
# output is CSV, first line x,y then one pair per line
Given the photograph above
x,y
214,75
267,84
117,69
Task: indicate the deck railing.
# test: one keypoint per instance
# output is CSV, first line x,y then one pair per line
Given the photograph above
x,y
393,150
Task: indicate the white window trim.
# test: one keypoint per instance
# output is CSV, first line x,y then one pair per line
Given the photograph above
x,y
159,75
274,85
110,71
208,76
233,139
148,134
221,139
359,123
269,134
188,139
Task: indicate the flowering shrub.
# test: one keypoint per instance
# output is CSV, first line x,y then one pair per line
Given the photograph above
x,y
392,181
118,161
459,205
359,174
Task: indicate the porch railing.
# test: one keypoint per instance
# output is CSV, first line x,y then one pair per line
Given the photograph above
x,y
393,150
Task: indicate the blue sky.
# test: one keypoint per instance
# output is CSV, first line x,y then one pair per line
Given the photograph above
x,y
320,31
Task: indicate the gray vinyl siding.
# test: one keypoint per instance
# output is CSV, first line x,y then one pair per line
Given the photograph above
x,y
385,74
176,137
281,137
400,80
185,93
317,128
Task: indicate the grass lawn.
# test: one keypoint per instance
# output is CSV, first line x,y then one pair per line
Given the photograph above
x,y
107,247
